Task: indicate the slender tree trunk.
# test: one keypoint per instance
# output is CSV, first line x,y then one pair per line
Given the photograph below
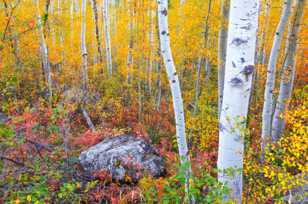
x,y
152,47
97,34
197,86
107,36
222,47
202,60
174,84
158,82
130,59
241,47
84,53
262,53
288,73
61,35
271,72
44,53
12,37
84,56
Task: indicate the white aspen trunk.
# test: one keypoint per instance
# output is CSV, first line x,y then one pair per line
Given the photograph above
x,y
271,72
152,46
262,53
44,52
84,53
97,34
107,36
222,48
288,73
241,46
174,84
61,33
84,56
76,6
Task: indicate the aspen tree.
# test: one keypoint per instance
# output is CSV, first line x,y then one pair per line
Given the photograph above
x,y
222,47
84,64
44,52
288,72
106,19
174,85
240,58
271,72
97,33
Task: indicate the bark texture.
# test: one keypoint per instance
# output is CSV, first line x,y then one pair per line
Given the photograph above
x,y
222,47
271,74
241,46
288,72
174,84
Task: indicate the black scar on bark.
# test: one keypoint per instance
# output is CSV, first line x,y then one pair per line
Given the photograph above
x,y
239,41
236,81
163,32
233,64
164,12
173,81
248,70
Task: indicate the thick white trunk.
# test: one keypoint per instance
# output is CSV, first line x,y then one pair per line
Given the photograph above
x,y
44,52
271,72
222,47
107,36
241,46
174,83
288,73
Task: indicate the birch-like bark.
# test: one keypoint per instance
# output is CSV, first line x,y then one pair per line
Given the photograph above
x,y
97,33
84,56
288,73
84,53
61,34
44,52
107,36
271,72
240,58
222,47
174,84
262,53
152,47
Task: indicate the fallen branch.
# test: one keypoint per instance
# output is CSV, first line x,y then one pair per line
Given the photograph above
x,y
12,160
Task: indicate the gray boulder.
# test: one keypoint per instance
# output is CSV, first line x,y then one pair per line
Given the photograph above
x,y
122,157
